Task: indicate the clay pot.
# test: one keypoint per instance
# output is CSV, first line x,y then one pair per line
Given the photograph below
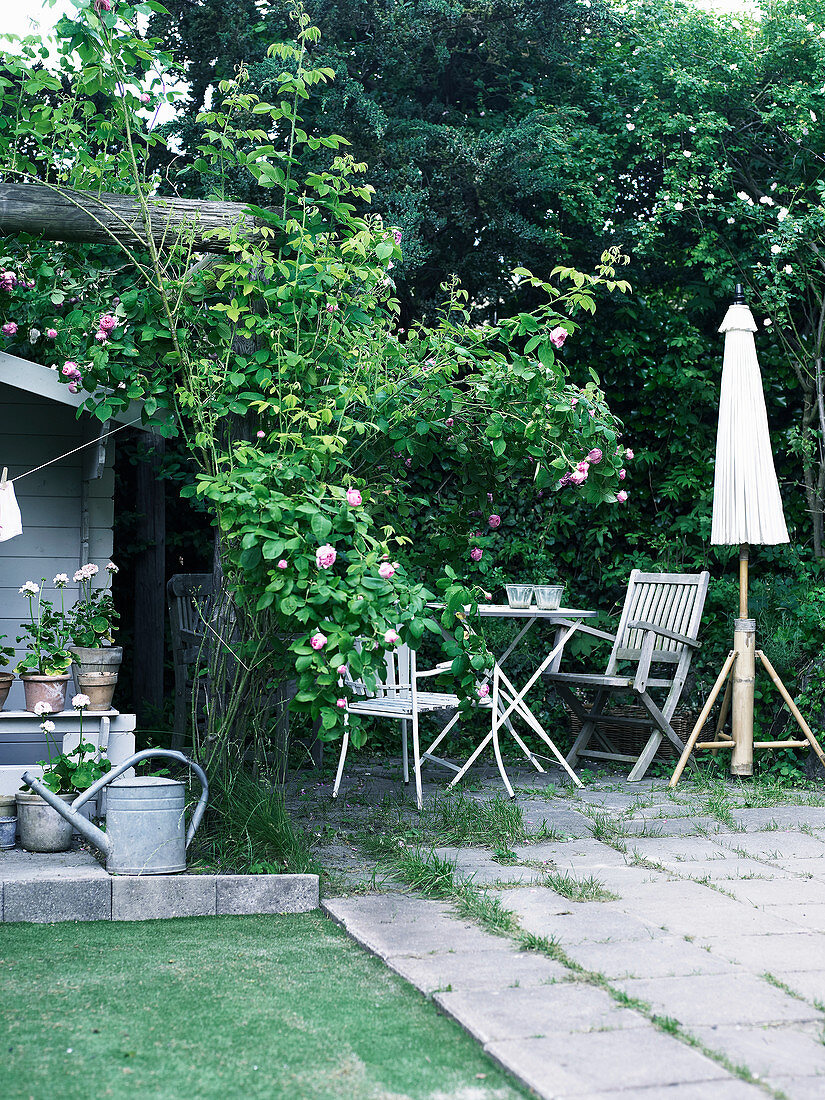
x,y
6,680
95,674
41,827
99,687
45,689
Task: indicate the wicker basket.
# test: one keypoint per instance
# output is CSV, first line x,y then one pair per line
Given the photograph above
x,y
630,741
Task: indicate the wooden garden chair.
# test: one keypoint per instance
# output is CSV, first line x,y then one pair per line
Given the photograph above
x,y
658,627
399,698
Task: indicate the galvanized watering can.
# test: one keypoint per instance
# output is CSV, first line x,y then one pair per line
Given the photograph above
x,y
144,817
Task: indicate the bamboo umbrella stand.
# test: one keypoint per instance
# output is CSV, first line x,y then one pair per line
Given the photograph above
x,y
738,677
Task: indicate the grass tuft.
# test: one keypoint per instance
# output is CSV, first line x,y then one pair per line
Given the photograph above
x,y
577,889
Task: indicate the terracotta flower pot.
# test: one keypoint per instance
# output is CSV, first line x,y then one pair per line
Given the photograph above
x,y
6,680
45,689
95,674
99,687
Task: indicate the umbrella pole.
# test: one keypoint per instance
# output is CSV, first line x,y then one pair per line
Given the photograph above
x,y
744,675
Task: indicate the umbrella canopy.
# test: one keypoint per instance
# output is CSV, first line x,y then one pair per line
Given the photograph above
x,y
747,507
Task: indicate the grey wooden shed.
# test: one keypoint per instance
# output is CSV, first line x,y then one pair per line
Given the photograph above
x,y
67,507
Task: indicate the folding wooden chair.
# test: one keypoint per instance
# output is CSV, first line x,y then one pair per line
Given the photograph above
x,y
659,626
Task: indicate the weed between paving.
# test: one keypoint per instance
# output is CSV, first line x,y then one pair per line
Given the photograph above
x,y
275,1006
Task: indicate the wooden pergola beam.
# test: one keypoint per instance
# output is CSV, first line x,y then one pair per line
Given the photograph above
x,y
90,218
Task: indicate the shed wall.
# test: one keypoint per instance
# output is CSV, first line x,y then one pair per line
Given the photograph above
x,y
34,430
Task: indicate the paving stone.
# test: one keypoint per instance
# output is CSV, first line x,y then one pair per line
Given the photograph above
x,y
17,864
546,914
60,898
492,1015
798,950
785,816
677,850
705,917
587,853
806,868
779,845
779,891
719,999
562,820
471,971
147,897
476,866
728,1088
396,924
563,1065
810,917
768,1051
800,1088
627,881
725,869
242,895
809,984
669,956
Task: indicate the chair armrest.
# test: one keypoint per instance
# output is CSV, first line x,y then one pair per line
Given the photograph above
x,y
640,624
437,671
588,629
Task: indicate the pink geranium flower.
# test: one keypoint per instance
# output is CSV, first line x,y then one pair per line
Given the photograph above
x,y
318,641
558,336
325,556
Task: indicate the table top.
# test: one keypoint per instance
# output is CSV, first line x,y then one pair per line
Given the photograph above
x,y
504,611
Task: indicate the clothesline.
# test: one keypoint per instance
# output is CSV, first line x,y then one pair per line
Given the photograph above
x,y
4,480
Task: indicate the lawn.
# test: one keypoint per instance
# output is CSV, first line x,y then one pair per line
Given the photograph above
x,y
224,1007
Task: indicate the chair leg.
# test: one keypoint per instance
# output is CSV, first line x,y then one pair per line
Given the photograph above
x,y
587,730
638,770
405,757
417,761
494,732
342,758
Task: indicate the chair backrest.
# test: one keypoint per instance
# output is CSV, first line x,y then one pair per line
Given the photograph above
x,y
188,596
674,601
397,680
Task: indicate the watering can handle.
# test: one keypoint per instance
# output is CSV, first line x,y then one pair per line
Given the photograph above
x,y
144,755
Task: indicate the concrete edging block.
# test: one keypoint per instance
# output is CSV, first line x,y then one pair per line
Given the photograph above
x,y
42,901
154,897
244,895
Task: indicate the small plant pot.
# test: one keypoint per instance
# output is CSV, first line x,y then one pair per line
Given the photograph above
x,y
42,829
548,596
6,680
99,687
45,689
102,661
8,831
519,595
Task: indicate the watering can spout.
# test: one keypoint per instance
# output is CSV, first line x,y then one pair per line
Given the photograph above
x,y
85,828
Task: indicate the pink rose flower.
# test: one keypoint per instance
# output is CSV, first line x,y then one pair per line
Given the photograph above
x,y
622,475
103,5
332,307
583,466
318,641
144,98
282,564
558,336
408,462
342,703
386,570
51,333
73,387
325,556
353,497
594,456
10,328
476,553
396,234
484,691
449,422
342,670
629,454
578,477
621,496
494,521
260,434
391,637
102,337
107,322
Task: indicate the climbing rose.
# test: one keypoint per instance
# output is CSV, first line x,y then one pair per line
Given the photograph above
x,y
583,466
558,336
391,637
621,496
342,670
622,475
386,570
594,456
318,641
51,333
332,308
107,322
494,521
260,434
397,235
449,422
341,703
578,477
476,553
144,98
325,556
483,691
73,387
103,5
353,497
10,328
629,454
111,567
102,337
282,563
80,701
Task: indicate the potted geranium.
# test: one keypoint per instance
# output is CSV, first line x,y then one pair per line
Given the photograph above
x,y
45,668
95,659
6,678
41,827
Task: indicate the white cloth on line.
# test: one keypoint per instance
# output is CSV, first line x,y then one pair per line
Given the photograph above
x,y
10,522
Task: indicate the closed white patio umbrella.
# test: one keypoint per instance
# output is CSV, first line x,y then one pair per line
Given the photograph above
x,y
747,510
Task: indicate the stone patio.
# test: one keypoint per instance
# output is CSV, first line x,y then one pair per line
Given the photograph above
x,y
702,974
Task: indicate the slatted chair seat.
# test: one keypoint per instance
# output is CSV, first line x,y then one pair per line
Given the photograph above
x,y
659,627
